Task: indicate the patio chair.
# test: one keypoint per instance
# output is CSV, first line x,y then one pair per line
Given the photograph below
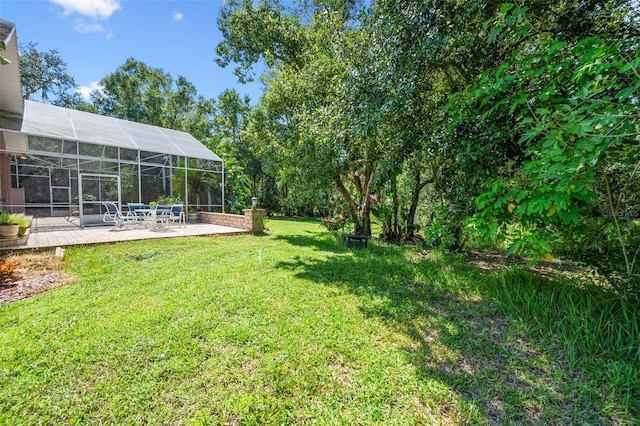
x,y
177,215
115,216
135,209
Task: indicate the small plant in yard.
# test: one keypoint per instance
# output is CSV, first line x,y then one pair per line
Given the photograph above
x,y
9,227
21,220
336,223
23,223
8,272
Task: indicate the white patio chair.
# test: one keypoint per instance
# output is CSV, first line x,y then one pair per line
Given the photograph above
x,y
115,216
135,210
177,215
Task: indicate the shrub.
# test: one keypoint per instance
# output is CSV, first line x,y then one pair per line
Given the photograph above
x,y
8,272
165,199
336,223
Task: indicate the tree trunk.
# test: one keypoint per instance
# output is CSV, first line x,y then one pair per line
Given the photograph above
x,y
365,216
362,181
346,196
415,199
365,213
396,208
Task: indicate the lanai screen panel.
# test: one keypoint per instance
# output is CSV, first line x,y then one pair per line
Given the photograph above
x,y
189,145
62,123
45,120
102,132
149,138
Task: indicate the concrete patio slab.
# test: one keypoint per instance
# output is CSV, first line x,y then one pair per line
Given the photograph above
x,y
58,232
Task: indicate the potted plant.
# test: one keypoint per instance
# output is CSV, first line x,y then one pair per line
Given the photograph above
x,y
23,223
165,199
88,204
8,226
193,215
152,205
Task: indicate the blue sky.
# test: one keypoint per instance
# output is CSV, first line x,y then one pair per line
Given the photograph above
x,y
95,37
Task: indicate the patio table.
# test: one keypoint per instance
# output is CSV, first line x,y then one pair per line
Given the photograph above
x,y
152,220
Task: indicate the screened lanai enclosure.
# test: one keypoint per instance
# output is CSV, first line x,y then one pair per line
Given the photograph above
x,y
63,162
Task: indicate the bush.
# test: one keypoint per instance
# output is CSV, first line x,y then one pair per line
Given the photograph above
x,y
165,199
8,272
336,223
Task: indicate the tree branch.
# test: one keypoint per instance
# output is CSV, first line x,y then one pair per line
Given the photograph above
x,y
346,195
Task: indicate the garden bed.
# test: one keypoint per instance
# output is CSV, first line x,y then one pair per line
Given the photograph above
x,y
38,272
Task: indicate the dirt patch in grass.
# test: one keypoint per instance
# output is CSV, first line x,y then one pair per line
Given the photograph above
x,y
491,261
578,274
38,271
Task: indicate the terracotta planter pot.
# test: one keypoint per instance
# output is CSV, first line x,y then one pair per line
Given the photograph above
x,y
9,231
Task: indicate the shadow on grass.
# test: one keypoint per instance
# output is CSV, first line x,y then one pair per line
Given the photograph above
x,y
319,239
458,336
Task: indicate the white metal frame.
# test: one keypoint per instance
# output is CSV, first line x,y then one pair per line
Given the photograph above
x,y
80,193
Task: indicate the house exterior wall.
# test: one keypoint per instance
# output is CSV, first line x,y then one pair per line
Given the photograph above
x,y
5,179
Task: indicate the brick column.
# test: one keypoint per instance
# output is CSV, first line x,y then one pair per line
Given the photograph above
x,y
254,219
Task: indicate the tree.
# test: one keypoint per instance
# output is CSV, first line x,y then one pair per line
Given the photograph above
x,y
229,124
230,120
263,31
426,51
359,103
43,75
148,95
305,91
574,104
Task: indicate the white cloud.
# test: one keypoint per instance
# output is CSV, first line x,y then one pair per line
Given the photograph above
x,y
178,16
84,28
96,9
85,91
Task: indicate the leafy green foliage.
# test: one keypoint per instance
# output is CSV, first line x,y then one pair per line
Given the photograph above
x,y
149,95
238,188
261,31
44,75
306,102
7,218
575,110
230,123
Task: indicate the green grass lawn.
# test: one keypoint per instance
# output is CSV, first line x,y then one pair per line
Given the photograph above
x,y
293,328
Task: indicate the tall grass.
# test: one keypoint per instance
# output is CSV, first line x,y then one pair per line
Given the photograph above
x,y
589,319
597,332
294,328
